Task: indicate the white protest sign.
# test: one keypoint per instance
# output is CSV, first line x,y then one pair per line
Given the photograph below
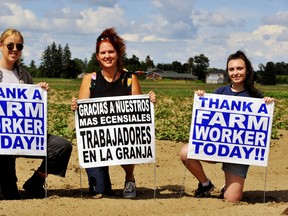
x,y
115,131
230,129
23,119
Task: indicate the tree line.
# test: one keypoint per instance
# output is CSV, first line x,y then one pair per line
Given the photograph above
x,y
56,62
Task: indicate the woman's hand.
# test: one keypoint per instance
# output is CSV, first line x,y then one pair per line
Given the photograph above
x,y
44,85
74,104
152,97
269,100
200,93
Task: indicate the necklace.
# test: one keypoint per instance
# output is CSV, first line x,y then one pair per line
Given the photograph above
x,y
237,89
113,79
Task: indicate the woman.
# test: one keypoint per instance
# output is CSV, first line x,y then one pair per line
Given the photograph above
x,y
110,81
241,75
58,148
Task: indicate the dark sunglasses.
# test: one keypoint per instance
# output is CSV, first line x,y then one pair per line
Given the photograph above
x,y
110,38
19,46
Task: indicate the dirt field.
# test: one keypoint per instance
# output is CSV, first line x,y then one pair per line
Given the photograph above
x,y
69,196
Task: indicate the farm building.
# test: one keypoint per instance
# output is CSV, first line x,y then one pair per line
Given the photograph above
x,y
216,77
156,73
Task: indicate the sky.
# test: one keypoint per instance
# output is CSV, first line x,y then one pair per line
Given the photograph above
x,y
166,30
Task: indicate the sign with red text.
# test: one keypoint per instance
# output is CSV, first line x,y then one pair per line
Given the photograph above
x,y
115,131
230,129
23,119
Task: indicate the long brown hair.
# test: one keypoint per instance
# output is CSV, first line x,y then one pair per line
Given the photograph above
x,y
249,80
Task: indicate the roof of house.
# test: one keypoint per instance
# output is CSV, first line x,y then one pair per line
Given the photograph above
x,y
216,71
171,74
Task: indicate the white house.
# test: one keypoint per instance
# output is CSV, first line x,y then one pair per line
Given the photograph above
x,y
216,77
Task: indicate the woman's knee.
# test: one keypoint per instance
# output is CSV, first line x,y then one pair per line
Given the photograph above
x,y
68,146
234,187
183,153
59,142
233,196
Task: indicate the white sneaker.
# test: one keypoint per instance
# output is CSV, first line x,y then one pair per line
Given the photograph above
x,y
129,189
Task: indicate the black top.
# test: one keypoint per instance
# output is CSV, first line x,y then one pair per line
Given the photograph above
x,y
102,88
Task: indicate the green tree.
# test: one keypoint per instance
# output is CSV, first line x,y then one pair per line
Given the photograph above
x,y
177,67
67,63
281,68
58,68
165,66
93,64
32,69
200,66
132,63
190,65
268,75
51,65
80,65
46,63
149,62
85,66
55,61
75,67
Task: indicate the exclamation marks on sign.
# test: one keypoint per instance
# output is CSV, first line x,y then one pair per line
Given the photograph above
x,y
39,143
259,154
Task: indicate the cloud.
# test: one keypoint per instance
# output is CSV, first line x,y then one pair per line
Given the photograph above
x,y
174,10
262,42
171,20
131,37
97,20
163,30
64,13
281,18
273,31
5,10
284,36
64,20
167,30
102,3
218,19
18,17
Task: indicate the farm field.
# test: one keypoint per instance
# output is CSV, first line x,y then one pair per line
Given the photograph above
x,y
266,189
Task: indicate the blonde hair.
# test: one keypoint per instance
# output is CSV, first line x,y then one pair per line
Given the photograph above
x,y
9,32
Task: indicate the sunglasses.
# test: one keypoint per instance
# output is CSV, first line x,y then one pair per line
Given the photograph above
x,y
110,38
19,46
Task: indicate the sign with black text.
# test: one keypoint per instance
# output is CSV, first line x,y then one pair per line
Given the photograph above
x,y
23,119
115,131
230,129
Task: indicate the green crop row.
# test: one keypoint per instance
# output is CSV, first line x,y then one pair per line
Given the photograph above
x,y
172,112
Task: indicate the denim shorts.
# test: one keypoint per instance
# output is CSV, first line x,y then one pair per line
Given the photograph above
x,y
236,169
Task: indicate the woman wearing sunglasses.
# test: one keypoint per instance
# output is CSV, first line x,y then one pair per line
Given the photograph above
x,y
58,148
110,81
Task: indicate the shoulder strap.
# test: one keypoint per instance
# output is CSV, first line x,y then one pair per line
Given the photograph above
x,y
93,82
126,80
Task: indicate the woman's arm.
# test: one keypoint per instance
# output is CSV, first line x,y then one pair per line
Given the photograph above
x,y
84,91
136,89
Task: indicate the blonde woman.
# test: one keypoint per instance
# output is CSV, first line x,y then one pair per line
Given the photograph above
x,y
58,148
